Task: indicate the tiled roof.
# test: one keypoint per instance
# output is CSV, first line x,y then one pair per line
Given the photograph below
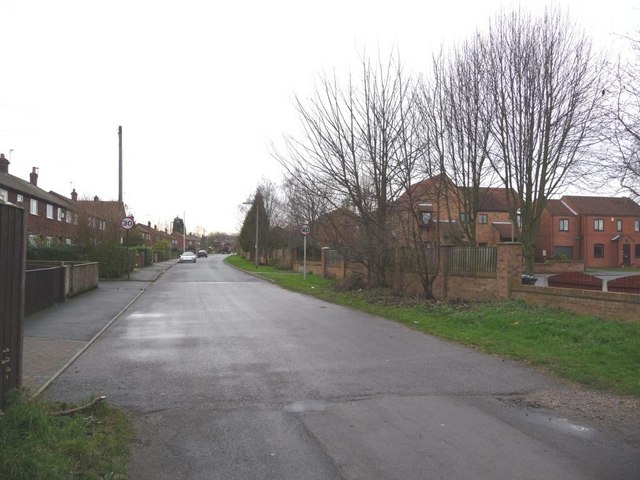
x,y
557,209
617,206
28,189
108,210
493,199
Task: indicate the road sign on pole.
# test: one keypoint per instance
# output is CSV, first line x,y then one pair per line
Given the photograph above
x,y
127,223
305,230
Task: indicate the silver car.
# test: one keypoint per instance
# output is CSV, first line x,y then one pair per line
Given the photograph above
x,y
188,257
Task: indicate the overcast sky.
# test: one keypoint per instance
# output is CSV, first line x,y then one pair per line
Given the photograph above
x,y
200,87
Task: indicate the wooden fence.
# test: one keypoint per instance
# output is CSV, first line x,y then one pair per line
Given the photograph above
x,y
12,267
472,260
43,287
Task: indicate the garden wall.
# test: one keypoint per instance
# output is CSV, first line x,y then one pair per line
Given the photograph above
x,y
606,305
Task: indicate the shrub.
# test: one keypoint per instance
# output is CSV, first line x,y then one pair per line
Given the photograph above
x,y
65,253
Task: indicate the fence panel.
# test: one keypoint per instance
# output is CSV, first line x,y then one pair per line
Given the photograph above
x,y
43,287
575,280
409,259
12,266
630,284
472,260
333,258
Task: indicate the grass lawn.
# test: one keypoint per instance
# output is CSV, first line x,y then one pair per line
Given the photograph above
x,y
599,354
35,444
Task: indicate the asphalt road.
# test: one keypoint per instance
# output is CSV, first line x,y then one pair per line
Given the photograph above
x,y
230,377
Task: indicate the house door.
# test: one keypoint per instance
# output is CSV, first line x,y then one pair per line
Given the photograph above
x,y
626,254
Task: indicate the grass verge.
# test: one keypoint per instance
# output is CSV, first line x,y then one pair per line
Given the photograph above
x,y
600,354
35,444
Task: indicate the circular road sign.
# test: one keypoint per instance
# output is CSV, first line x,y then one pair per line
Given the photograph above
x,y
305,229
127,223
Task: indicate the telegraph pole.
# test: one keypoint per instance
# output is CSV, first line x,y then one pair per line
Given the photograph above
x,y
120,163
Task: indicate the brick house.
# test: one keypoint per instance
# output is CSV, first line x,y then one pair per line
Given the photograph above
x,y
601,231
53,218
436,206
148,234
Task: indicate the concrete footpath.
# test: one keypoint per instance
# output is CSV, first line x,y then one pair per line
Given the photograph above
x,y
56,336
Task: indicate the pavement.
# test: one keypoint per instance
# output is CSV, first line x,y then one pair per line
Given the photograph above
x,y
56,336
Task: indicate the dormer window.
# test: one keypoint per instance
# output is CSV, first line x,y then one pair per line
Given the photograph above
x,y
426,218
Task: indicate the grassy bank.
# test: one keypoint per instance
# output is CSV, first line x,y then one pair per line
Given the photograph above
x,y
599,354
36,444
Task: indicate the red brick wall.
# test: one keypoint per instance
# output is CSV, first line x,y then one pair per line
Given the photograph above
x,y
607,305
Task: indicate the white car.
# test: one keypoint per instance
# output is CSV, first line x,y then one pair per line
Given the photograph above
x,y
188,257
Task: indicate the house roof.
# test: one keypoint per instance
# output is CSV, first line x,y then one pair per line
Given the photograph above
x,y
108,210
559,209
28,189
616,206
492,199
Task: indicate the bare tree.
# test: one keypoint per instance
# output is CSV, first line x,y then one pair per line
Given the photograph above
x,y
544,89
352,150
623,162
452,105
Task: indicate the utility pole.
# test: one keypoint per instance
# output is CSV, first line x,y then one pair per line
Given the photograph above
x,y
120,164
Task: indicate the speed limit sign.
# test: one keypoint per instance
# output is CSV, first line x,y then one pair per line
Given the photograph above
x,y
127,223
305,229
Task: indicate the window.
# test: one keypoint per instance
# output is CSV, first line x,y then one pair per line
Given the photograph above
x,y
67,241
598,225
619,225
49,211
33,206
483,218
60,214
68,216
464,217
33,240
426,218
4,195
636,226
637,248
563,224
598,250
19,198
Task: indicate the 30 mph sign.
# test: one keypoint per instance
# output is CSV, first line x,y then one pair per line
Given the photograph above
x,y
305,229
127,223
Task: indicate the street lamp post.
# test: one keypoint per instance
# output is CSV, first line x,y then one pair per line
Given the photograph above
x,y
257,223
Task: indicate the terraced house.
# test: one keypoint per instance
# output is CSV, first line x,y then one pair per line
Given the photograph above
x,y
52,218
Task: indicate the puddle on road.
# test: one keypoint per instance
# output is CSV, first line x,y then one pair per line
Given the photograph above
x,y
307,406
562,424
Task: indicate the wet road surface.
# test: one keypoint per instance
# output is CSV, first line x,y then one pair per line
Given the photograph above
x,y
230,377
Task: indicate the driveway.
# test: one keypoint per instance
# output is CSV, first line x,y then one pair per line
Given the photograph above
x,y
230,377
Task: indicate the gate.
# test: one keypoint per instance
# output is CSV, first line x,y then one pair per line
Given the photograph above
x,y
12,273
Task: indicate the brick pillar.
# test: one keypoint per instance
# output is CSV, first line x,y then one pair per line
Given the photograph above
x,y
509,268
323,260
441,283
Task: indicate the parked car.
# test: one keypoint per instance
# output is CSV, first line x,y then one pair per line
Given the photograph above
x,y
202,253
188,257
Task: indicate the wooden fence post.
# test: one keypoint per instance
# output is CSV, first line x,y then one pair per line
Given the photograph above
x,y
12,275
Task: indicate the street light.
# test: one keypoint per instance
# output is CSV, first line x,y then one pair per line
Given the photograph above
x,y
257,222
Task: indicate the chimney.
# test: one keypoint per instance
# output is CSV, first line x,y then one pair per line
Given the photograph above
x,y
4,164
74,195
149,224
96,199
34,176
